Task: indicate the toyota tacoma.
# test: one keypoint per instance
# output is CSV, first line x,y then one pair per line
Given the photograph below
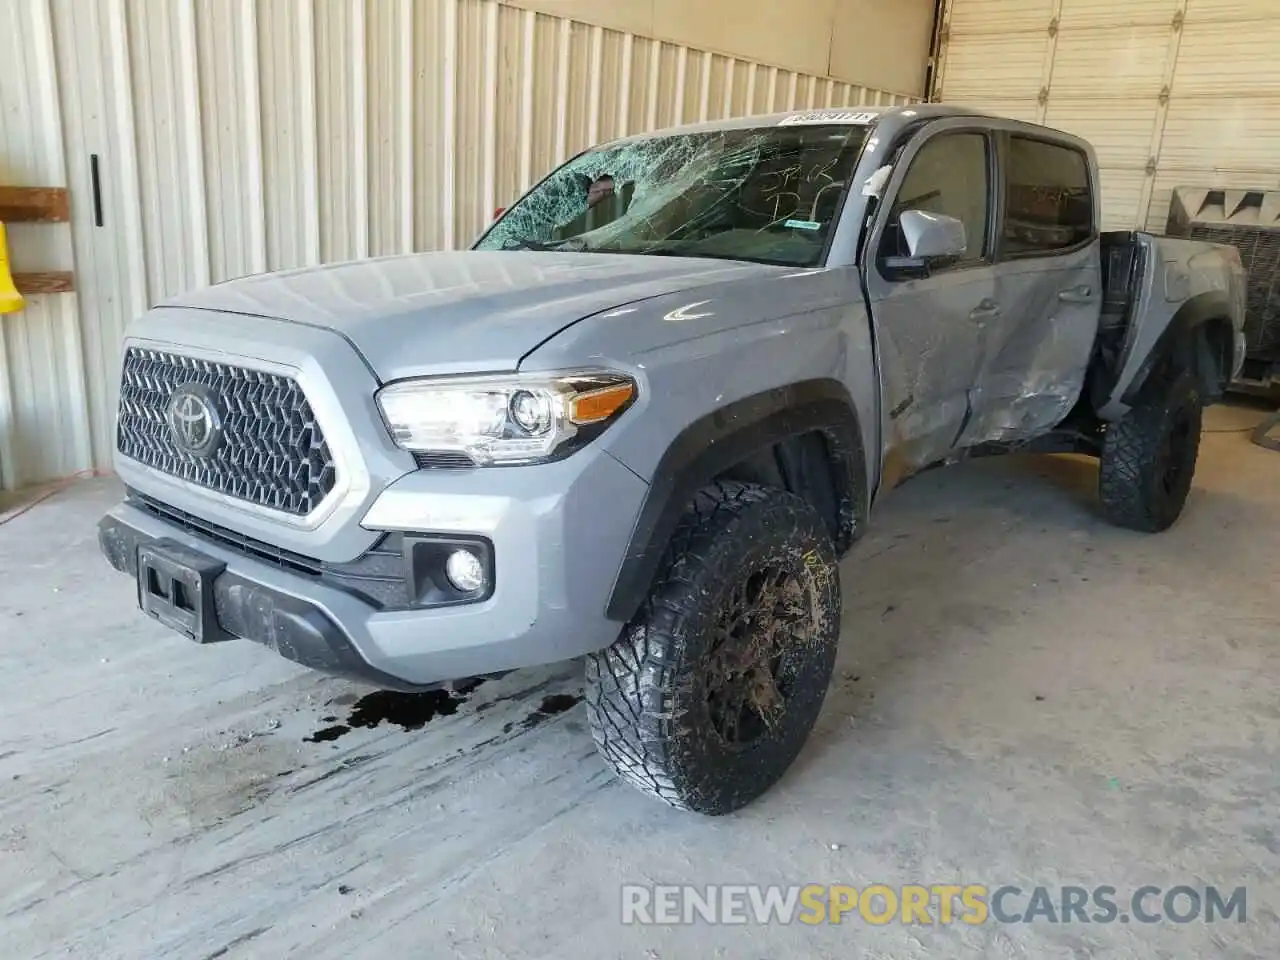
x,y
643,417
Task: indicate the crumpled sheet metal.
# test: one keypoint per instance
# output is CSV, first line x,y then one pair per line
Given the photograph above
x,y
1027,377
1030,385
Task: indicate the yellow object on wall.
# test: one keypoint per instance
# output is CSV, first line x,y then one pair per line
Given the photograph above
x,y
10,299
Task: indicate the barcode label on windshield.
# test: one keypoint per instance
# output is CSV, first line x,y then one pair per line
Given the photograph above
x,y
824,116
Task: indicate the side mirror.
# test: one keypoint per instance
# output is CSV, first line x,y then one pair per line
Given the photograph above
x,y
932,239
933,236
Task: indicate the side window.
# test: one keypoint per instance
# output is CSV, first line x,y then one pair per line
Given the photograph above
x,y
1048,200
948,176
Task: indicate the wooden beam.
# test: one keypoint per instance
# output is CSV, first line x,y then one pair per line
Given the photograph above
x,y
34,205
50,281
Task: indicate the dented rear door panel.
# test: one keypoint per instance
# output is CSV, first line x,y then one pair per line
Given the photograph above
x,y
1036,352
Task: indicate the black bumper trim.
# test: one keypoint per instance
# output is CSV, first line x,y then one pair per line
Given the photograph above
x,y
292,627
378,577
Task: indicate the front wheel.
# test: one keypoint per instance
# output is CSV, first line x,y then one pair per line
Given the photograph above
x,y
1149,456
710,692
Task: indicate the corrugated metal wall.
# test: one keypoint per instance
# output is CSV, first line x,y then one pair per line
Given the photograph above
x,y
236,136
1170,92
44,420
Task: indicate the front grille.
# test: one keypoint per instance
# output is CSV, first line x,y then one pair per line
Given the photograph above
x,y
377,576
272,451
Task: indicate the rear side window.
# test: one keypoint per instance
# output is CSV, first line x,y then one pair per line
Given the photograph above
x,y
1048,199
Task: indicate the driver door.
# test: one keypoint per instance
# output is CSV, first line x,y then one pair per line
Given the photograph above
x,y
930,324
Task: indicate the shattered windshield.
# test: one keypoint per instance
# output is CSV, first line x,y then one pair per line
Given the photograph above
x,y
769,195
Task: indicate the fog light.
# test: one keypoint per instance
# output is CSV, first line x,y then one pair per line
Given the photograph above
x,y
465,571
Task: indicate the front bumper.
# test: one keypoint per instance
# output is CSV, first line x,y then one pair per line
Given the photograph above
x,y
295,628
557,544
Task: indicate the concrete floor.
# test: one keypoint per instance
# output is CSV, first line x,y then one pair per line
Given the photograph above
x,y
1025,696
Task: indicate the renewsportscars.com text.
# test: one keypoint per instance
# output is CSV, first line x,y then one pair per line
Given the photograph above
x,y
928,904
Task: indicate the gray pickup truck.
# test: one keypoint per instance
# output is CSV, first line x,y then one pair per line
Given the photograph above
x,y
644,416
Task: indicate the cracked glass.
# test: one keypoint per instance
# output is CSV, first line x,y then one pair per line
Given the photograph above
x,y
768,195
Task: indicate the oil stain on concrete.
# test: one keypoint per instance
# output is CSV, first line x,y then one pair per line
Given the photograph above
x,y
409,711
413,711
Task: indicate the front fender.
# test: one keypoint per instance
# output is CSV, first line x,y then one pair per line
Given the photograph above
x,y
730,435
717,369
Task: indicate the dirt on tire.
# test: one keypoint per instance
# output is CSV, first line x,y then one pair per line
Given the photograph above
x,y
663,701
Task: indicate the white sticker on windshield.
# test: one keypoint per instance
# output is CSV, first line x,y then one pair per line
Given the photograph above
x,y
803,225
826,116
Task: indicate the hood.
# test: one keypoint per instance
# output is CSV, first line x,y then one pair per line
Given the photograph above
x,y
468,311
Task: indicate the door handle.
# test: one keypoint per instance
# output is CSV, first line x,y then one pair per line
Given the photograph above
x,y
988,309
1080,294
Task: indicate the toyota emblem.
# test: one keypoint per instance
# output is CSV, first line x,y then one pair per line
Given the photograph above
x,y
193,420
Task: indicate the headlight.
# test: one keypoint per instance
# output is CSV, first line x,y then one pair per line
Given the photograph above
x,y
503,419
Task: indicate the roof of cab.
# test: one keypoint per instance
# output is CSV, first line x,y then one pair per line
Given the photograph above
x,y
889,121
854,115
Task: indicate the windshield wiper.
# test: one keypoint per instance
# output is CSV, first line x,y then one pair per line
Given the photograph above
x,y
672,251
684,251
525,243
665,250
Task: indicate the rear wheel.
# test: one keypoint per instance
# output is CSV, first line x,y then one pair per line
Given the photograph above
x,y
1149,455
711,691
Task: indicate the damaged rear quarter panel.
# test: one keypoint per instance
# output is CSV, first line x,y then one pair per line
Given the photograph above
x,y
1183,280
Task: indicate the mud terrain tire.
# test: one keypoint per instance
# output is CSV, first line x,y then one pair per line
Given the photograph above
x,y
710,692
1149,456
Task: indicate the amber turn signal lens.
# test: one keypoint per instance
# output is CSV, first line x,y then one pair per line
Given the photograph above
x,y
596,405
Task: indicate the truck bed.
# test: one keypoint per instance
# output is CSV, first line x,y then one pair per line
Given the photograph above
x,y
1140,307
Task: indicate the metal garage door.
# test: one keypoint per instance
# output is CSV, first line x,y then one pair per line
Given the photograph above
x,y
1170,92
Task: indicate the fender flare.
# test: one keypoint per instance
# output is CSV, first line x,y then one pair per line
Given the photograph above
x,y
1193,314
727,436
